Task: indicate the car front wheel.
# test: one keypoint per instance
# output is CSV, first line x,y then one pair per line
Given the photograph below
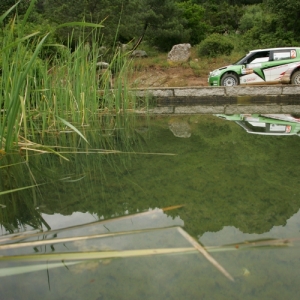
x,y
296,78
229,80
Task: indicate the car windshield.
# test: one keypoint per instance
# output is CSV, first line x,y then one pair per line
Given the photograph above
x,y
254,57
241,60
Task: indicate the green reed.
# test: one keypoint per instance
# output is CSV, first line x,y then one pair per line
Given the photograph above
x,y
66,91
51,106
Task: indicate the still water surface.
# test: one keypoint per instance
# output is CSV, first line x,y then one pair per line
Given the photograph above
x,y
222,185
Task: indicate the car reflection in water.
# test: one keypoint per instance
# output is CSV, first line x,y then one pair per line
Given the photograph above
x,y
266,124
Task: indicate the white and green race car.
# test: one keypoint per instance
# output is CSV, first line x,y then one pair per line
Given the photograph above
x,y
262,66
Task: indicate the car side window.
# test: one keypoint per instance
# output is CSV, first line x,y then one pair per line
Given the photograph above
x,y
284,54
259,57
260,60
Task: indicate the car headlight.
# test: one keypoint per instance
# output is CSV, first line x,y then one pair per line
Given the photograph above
x,y
215,73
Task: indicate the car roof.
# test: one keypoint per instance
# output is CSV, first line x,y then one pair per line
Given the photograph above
x,y
270,49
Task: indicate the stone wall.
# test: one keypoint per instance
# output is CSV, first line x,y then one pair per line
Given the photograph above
x,y
223,100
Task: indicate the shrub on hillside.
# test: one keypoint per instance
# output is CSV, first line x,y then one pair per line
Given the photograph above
x,y
214,45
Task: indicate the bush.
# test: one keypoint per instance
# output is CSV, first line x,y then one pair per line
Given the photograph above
x,y
258,37
253,16
214,45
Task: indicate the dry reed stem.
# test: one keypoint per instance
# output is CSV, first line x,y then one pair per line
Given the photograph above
x,y
24,236
73,239
96,255
204,253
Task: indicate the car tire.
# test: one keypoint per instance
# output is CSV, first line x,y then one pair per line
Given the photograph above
x,y
229,79
296,78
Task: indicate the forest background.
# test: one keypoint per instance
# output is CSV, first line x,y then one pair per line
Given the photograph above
x,y
163,23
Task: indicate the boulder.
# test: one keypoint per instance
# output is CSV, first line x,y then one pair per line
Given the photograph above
x,y
102,65
180,53
139,53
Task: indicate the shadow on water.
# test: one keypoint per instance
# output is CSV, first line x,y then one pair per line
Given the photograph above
x,y
234,186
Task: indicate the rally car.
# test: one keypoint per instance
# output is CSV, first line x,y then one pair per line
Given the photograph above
x,y
262,66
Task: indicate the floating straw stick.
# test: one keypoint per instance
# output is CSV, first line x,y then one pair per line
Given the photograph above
x,y
77,238
34,268
71,256
145,213
204,253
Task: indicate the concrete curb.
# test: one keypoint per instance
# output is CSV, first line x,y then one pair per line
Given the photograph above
x,y
237,99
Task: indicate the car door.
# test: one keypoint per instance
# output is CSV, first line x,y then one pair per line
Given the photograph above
x,y
253,71
281,60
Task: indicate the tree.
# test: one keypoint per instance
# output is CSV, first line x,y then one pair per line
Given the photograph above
x,y
253,16
5,5
194,14
167,25
271,24
125,20
286,15
222,17
120,18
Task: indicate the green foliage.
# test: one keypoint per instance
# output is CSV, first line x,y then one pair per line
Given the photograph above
x,y
19,62
163,23
271,24
214,45
5,5
67,91
222,17
256,37
165,38
286,13
264,31
194,14
253,16
167,25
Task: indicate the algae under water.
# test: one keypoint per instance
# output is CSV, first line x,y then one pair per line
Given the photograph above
x,y
235,188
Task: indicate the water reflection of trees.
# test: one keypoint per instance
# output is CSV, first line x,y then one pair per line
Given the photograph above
x,y
19,208
33,182
222,175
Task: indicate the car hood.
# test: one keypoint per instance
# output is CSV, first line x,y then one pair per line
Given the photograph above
x,y
225,67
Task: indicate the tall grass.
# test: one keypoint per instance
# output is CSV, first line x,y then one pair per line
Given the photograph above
x,y
43,100
38,95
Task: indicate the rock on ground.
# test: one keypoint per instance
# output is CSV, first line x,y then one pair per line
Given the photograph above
x,y
180,53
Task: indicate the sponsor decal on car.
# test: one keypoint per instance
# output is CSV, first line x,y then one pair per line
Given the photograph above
x,y
250,79
246,71
293,54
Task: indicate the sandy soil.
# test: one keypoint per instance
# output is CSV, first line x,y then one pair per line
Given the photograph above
x,y
167,77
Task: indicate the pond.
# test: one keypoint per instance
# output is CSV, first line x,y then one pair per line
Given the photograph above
x,y
184,207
